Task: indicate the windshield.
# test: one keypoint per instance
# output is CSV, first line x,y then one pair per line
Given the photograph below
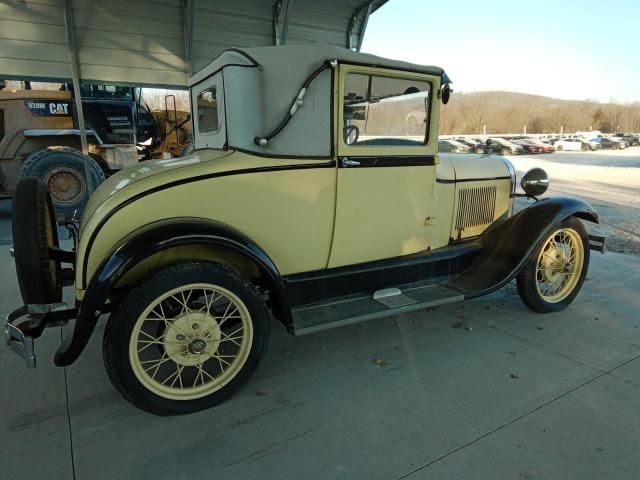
x,y
107,92
385,110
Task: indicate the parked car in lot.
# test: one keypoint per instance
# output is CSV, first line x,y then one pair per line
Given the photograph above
x,y
610,143
528,146
576,144
452,146
475,145
546,147
313,206
631,140
505,147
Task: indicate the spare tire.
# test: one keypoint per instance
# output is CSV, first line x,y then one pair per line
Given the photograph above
x,y
34,233
63,173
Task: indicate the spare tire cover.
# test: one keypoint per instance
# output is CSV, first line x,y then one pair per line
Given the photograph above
x,y
34,233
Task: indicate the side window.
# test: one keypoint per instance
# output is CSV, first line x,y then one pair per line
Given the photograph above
x,y
207,105
385,111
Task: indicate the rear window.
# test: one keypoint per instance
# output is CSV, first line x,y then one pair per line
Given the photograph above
x,y
207,105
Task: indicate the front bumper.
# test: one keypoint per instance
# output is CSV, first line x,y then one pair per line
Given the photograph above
x,y
20,335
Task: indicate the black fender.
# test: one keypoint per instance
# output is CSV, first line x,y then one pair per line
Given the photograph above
x,y
152,239
507,245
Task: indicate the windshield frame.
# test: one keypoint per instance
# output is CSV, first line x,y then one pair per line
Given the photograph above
x,y
427,144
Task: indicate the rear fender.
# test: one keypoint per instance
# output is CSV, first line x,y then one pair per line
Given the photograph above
x,y
508,244
144,243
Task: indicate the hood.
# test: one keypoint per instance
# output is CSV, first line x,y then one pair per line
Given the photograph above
x,y
472,166
126,178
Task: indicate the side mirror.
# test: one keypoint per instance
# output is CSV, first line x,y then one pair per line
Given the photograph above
x,y
535,182
445,93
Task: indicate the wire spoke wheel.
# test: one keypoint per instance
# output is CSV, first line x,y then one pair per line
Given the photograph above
x,y
191,341
559,265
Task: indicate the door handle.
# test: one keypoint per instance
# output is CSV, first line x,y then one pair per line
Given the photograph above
x,y
349,163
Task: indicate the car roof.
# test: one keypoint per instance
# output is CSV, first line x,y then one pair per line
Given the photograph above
x,y
302,59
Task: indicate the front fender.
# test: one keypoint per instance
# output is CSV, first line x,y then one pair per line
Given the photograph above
x,y
148,241
507,245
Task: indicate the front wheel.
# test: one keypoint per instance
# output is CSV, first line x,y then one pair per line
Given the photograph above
x,y
506,151
559,148
554,274
187,338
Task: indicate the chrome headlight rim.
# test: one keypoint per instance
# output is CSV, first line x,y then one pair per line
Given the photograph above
x,y
512,174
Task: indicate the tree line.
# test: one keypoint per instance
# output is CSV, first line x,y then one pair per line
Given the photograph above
x,y
510,112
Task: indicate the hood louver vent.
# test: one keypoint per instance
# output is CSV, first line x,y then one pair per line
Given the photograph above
x,y
476,206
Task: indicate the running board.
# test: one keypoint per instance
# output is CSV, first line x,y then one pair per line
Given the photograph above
x,y
383,303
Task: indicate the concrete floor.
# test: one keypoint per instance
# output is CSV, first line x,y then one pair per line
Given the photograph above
x,y
480,390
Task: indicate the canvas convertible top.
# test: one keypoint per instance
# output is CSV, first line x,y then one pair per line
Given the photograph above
x,y
260,85
302,59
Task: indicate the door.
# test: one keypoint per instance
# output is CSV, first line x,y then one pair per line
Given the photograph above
x,y
387,155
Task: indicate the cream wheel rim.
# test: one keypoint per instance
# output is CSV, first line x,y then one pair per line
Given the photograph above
x,y
559,265
191,341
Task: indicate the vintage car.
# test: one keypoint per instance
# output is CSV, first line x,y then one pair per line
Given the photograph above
x,y
307,200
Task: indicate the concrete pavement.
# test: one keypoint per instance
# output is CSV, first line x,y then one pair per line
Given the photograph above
x,y
479,390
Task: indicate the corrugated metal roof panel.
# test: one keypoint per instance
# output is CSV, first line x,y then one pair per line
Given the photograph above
x,y
143,41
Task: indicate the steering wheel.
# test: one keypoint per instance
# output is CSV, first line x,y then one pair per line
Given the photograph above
x,y
350,134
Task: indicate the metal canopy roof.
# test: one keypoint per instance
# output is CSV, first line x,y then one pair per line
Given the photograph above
x,y
160,42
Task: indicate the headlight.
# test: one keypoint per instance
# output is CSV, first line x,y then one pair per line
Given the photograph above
x,y
535,182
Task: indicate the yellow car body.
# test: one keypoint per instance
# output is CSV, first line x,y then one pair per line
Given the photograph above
x,y
316,191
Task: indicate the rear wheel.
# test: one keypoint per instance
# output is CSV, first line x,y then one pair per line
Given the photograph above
x,y
186,339
553,276
63,173
559,148
585,147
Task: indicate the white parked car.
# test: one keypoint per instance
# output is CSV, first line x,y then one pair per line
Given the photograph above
x,y
576,144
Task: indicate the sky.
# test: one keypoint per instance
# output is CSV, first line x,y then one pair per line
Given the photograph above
x,y
567,49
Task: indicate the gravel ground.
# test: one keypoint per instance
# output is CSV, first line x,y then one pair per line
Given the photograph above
x,y
608,180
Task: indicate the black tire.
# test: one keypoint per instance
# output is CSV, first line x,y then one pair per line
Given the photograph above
x,y
34,232
526,279
121,324
187,150
506,151
55,164
559,148
584,147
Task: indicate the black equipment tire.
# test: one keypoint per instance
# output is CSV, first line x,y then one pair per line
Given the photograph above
x,y
60,168
34,232
123,354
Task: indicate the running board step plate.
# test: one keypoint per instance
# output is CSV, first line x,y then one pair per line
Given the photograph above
x,y
384,303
